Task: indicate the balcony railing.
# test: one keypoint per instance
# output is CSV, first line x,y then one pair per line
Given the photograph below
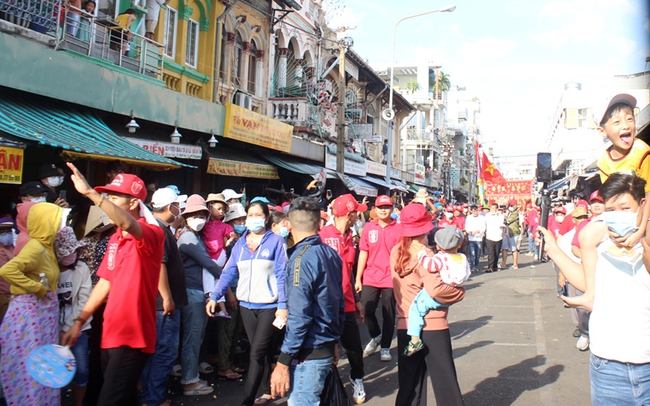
x,y
418,134
38,15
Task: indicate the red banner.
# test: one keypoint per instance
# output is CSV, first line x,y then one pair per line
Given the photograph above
x,y
521,190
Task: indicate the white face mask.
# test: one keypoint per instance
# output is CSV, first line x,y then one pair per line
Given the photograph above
x,y
196,223
54,181
449,215
40,199
559,217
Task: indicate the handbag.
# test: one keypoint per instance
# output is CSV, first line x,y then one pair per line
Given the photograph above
x,y
333,393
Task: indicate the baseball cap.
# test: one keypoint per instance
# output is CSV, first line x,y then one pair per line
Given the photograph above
x,y
32,188
345,204
383,200
448,237
582,203
235,211
164,196
126,184
174,188
449,209
560,209
231,194
512,202
578,212
47,170
601,111
596,197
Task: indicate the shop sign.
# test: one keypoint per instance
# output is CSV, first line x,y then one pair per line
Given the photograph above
x,y
395,173
375,168
226,167
247,126
11,165
351,167
419,174
520,190
168,149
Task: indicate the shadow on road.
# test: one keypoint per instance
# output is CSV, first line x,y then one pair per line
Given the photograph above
x,y
512,381
470,286
460,328
459,352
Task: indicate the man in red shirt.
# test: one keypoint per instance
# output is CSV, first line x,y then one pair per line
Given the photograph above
x,y
459,218
374,279
448,219
129,272
338,236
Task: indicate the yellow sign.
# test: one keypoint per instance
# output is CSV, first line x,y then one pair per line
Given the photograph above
x,y
11,165
243,169
253,128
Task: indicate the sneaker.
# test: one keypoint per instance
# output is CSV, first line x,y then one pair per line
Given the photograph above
x,y
372,346
576,333
535,258
358,392
385,355
583,343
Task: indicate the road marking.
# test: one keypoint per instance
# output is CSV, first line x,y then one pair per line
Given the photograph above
x,y
514,344
545,394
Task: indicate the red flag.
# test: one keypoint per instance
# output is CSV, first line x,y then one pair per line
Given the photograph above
x,y
490,173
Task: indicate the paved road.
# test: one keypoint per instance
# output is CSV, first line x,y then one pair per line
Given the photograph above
x,y
512,345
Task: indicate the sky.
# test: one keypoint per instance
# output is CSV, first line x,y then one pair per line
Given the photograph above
x,y
514,55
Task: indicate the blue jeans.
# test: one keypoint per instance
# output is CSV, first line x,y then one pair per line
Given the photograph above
x,y
618,383
307,381
418,309
531,244
81,354
194,320
155,375
474,254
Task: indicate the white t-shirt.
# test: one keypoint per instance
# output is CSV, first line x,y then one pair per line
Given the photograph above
x,y
473,224
619,327
494,226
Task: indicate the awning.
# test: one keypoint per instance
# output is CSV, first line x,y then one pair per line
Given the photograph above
x,y
293,165
376,181
415,188
231,162
75,129
399,186
357,186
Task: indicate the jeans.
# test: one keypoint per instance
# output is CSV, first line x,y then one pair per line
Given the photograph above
x,y
370,299
155,376
194,320
307,381
618,383
474,254
531,244
81,354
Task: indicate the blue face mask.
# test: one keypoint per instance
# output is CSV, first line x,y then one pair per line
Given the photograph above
x,y
239,228
284,232
255,224
7,239
622,223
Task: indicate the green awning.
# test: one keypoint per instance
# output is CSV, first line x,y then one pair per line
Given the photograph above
x,y
293,165
75,129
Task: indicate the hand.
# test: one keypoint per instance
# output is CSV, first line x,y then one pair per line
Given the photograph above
x,y
211,308
231,300
61,203
280,381
312,184
364,200
359,311
550,243
561,280
78,180
168,307
282,313
629,241
71,336
358,286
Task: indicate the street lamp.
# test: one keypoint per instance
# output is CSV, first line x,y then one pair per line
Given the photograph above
x,y
389,114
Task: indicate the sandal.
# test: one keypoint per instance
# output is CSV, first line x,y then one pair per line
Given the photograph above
x,y
412,348
198,390
205,368
262,401
238,369
230,376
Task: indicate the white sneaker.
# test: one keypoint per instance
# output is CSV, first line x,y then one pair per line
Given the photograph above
x,y
535,258
583,343
385,355
358,392
372,346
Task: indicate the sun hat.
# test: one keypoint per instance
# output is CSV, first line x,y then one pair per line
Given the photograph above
x,y
345,204
596,197
601,111
217,198
383,200
66,242
421,196
578,212
235,211
97,220
231,194
164,196
449,237
126,184
195,204
415,220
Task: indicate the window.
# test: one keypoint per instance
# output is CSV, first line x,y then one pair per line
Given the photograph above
x,y
192,50
252,68
170,32
237,62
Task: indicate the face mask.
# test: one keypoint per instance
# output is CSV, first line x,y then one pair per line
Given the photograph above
x,y
284,232
196,223
449,215
255,224
176,216
622,223
512,208
7,239
559,218
54,181
68,259
41,199
239,228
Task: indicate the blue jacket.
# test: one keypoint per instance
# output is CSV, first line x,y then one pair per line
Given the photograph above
x,y
261,273
316,305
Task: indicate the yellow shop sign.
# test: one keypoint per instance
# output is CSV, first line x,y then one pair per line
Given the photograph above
x,y
226,167
11,165
253,128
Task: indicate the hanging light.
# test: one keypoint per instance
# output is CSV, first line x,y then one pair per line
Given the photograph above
x,y
212,142
132,126
176,136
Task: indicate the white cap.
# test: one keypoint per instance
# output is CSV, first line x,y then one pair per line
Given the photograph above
x,y
235,211
164,196
601,111
231,194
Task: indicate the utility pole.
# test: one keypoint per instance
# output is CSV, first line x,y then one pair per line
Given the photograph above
x,y
344,43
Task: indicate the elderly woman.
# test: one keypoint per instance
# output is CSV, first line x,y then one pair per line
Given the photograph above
x,y
259,260
409,278
31,320
195,256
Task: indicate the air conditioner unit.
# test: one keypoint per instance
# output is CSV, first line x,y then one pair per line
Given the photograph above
x,y
244,100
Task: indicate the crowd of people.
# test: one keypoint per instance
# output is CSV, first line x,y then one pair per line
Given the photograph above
x,y
153,283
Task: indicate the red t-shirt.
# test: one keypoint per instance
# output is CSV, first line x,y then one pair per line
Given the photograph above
x,y
460,222
344,245
567,225
132,267
377,241
579,228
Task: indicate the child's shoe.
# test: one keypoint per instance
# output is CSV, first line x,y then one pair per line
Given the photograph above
x,y
412,347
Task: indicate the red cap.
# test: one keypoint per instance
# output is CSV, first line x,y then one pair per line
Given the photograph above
x,y
346,204
464,205
383,200
582,203
529,206
458,208
126,184
560,209
596,197
449,209
512,202
538,208
415,220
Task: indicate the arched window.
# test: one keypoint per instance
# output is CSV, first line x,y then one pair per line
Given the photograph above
x,y
252,68
237,63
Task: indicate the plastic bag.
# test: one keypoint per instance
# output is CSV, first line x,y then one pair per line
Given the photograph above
x,y
333,393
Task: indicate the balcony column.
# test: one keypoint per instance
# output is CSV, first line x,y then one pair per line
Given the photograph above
x,y
245,61
282,67
300,66
259,73
227,61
